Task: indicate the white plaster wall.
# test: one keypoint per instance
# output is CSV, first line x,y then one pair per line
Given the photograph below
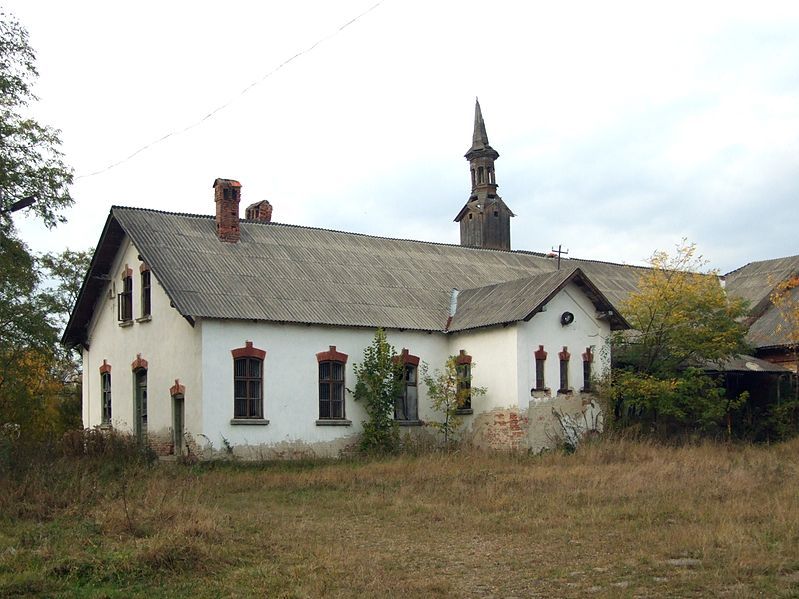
x,y
168,342
493,351
291,395
545,329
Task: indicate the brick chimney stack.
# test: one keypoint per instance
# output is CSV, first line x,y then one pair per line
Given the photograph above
x,y
261,211
227,194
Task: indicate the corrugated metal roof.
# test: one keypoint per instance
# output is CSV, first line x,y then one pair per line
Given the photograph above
x,y
301,274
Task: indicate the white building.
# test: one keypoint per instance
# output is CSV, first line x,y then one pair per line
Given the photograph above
x,y
207,332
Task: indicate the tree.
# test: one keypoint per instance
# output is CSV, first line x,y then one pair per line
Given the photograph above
x,y
680,316
33,176
682,320
31,162
379,383
449,389
785,297
39,378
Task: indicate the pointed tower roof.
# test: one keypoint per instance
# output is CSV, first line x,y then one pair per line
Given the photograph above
x,y
479,137
480,145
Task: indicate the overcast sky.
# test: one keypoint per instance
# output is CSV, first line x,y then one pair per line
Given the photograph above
x,y
621,128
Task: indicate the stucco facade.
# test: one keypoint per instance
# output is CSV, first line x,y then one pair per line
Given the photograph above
x,y
197,357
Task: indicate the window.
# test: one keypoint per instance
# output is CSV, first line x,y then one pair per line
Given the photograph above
x,y
248,379
540,361
248,382
145,292
464,371
564,370
331,384
105,393
588,360
406,405
125,297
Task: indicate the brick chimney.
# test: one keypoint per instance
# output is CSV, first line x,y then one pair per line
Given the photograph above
x,y
259,211
227,194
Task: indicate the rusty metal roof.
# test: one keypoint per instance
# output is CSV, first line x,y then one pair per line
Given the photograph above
x,y
289,273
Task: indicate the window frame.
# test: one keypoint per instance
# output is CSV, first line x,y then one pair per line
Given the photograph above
x,y
564,357
106,411
588,362
253,403
407,361
146,281
328,362
540,357
463,368
125,297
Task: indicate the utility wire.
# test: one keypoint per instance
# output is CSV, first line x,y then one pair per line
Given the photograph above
x,y
235,98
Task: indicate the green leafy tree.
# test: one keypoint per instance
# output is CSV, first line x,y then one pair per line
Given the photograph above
x,y
31,162
682,320
379,383
33,177
449,390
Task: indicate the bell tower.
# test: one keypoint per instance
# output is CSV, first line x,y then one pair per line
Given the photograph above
x,y
484,219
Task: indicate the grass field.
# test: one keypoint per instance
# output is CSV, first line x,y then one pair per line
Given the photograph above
x,y
616,519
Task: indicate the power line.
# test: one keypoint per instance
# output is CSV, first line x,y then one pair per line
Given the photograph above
x,y
235,98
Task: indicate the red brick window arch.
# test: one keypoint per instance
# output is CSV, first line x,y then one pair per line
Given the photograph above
x,y
332,365
248,382
406,405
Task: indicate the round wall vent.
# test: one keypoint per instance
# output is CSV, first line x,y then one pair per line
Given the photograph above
x,y
566,318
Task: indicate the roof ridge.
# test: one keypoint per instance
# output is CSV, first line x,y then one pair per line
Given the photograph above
x,y
312,228
795,256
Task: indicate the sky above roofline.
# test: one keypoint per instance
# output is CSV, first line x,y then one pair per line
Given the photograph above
x,y
621,128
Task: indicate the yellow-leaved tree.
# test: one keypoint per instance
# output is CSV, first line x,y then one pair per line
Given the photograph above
x,y
682,321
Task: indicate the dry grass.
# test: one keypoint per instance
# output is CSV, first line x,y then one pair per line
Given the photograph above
x,y
617,519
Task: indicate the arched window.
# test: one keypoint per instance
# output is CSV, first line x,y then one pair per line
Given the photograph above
x,y
540,362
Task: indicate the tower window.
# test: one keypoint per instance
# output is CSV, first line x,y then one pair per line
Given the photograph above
x,y
480,174
496,212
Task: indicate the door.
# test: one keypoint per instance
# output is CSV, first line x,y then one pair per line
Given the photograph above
x,y
140,407
177,424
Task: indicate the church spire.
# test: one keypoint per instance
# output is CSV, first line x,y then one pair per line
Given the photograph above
x,y
485,219
479,137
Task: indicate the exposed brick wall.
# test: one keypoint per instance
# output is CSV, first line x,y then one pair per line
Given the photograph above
x,y
261,211
227,195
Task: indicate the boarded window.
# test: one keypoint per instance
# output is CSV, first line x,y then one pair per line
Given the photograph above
x,y
331,390
248,388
